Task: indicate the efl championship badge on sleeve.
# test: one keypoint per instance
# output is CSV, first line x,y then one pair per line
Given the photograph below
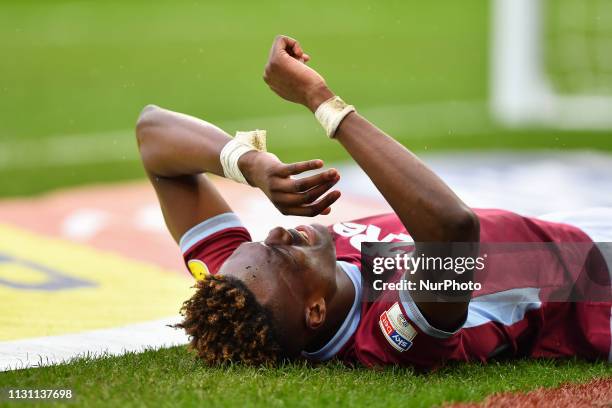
x,y
198,269
396,328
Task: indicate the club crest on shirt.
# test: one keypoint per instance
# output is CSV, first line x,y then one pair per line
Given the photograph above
x,y
396,328
198,269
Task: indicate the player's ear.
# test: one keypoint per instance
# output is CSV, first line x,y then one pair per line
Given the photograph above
x,y
316,312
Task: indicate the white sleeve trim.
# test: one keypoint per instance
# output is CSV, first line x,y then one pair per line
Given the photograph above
x,y
208,227
415,315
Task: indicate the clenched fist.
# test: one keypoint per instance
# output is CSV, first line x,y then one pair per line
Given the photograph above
x,y
287,74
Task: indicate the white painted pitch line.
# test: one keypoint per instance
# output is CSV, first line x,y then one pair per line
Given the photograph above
x,y
418,120
50,350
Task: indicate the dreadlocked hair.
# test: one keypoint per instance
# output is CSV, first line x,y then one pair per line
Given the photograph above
x,y
226,324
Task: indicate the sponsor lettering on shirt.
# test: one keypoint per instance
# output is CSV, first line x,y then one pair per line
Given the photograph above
x,y
359,233
396,328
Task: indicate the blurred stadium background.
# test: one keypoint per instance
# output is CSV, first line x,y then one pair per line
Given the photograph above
x,y
75,74
510,100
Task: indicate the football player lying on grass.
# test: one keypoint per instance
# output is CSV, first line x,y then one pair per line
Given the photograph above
x,y
298,293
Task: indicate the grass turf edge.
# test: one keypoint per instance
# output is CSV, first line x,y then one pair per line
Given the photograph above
x,y
174,377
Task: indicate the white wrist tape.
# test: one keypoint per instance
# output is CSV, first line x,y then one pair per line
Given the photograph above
x,y
244,142
255,138
331,112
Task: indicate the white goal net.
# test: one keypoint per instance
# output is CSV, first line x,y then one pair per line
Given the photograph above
x,y
551,63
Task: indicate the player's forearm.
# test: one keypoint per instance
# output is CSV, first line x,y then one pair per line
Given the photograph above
x,y
427,207
425,204
172,144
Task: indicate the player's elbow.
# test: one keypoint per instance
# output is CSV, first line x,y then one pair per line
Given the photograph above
x,y
462,226
147,119
146,124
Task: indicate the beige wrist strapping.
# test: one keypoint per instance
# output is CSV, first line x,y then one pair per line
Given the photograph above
x,y
331,112
244,142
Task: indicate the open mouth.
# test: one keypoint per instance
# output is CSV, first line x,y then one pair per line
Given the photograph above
x,y
298,237
308,232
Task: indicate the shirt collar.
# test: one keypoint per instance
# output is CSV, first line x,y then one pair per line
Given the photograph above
x,y
348,327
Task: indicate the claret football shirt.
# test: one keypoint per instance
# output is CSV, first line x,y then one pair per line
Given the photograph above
x,y
503,319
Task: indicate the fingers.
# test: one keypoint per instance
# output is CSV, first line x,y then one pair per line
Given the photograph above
x,y
281,42
301,185
292,169
307,183
293,196
306,197
316,192
295,50
321,206
291,46
307,203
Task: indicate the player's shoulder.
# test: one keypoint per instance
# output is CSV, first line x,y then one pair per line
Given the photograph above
x,y
207,245
217,225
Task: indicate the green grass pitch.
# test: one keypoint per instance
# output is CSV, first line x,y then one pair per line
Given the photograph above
x,y
75,75
172,377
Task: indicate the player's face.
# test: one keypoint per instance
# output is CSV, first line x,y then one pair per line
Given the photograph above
x,y
285,271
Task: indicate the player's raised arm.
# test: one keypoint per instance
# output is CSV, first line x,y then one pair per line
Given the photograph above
x,y
427,207
176,149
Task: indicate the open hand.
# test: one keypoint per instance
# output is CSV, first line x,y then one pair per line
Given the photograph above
x,y
292,196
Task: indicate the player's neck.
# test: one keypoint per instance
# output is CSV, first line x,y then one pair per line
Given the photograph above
x,y
338,308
